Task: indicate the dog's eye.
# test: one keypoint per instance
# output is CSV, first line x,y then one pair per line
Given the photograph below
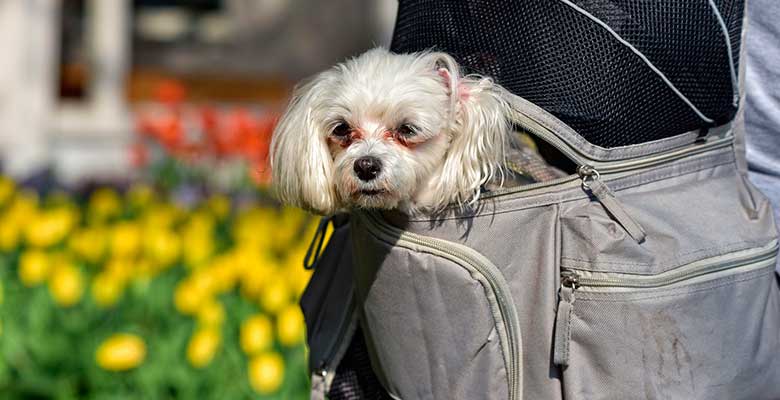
x,y
407,130
341,130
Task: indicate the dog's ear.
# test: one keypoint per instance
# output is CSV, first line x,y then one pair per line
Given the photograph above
x,y
480,132
301,163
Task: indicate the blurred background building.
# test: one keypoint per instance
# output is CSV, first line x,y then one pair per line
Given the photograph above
x,y
74,72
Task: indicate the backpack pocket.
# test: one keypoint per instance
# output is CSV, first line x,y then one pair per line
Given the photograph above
x,y
439,318
690,312
706,330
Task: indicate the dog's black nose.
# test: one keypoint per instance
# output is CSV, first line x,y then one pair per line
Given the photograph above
x,y
367,168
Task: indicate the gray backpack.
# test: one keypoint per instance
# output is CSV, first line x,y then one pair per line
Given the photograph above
x,y
647,274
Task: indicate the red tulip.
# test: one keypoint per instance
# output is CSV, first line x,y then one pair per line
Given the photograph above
x,y
170,92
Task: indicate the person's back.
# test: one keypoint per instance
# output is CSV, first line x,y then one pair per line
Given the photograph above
x,y
762,106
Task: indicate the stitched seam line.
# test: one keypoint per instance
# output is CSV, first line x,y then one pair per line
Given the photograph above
x,y
611,154
639,54
729,52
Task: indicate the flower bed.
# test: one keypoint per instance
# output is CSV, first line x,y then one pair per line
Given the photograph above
x,y
129,296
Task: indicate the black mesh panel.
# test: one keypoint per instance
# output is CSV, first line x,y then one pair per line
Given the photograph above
x,y
563,61
355,380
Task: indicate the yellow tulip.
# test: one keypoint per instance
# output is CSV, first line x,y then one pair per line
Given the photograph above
x,y
211,314
290,327
160,215
140,195
219,205
256,334
246,257
203,281
292,220
297,276
256,271
198,247
89,244
266,372
200,222
66,284
294,257
24,207
119,268
121,352
275,296
146,269
125,239
203,346
293,214
104,204
188,297
7,189
253,281
49,227
34,266
255,228
223,273
162,246
107,289
9,235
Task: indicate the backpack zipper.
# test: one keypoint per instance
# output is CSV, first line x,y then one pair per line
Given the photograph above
x,y
475,263
573,281
614,167
590,175
591,183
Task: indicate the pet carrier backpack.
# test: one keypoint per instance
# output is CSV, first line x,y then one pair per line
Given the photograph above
x,y
647,273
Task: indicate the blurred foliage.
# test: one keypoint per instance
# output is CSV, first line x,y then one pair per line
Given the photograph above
x,y
129,296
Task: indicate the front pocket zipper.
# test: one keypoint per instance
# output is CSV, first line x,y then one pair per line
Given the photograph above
x,y
475,263
574,280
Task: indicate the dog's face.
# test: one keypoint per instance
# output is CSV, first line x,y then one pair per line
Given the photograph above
x,y
388,131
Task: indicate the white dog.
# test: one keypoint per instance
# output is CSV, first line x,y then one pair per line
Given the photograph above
x,y
386,130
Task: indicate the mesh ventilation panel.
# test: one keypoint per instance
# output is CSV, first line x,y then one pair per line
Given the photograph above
x,y
355,380
618,72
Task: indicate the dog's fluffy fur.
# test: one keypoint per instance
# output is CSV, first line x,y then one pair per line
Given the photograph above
x,y
435,135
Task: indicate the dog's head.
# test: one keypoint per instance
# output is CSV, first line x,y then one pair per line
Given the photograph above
x,y
389,130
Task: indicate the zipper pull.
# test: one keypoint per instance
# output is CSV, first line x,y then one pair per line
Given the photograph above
x,y
569,282
591,183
